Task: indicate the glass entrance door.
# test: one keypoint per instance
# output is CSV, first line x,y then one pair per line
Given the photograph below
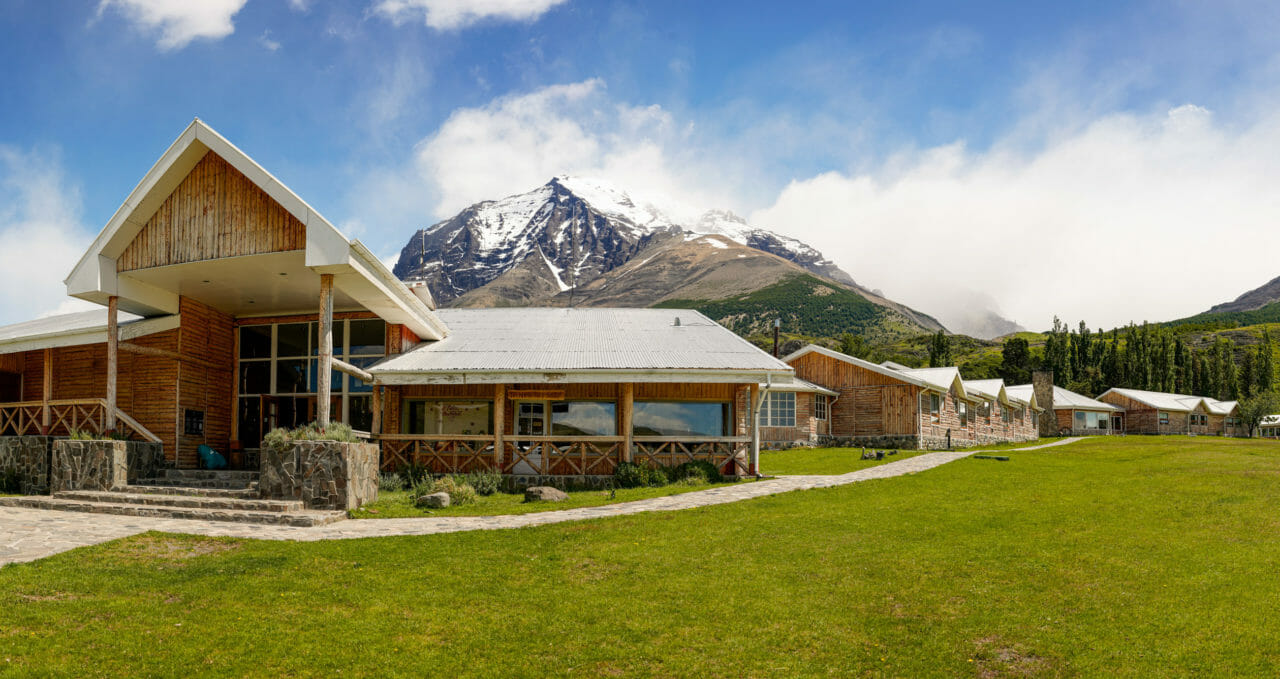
x,y
531,420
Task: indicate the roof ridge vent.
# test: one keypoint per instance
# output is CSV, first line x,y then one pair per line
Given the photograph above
x,y
677,322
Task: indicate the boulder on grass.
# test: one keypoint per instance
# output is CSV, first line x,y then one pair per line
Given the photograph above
x,y
434,501
544,494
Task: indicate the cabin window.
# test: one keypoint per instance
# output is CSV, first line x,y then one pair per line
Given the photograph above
x,y
932,403
584,418
820,406
445,417
984,409
963,409
1087,420
1164,417
1035,419
1006,414
680,418
779,409
1082,420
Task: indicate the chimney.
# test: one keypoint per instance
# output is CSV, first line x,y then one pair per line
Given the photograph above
x,y
1042,386
777,325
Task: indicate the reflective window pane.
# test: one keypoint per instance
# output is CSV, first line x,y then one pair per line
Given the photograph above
x,y
368,338
680,418
291,377
339,337
255,341
584,418
255,377
291,339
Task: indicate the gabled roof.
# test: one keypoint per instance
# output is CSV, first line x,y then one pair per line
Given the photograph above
x,y
867,365
1064,399
993,389
941,379
1181,403
487,346
357,272
1270,420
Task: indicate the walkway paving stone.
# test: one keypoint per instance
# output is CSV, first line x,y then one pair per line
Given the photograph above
x,y
30,534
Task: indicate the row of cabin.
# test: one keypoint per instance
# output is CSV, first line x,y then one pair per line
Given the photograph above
x,y
843,399
851,401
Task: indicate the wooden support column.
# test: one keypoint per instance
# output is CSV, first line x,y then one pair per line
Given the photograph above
x,y
323,386
499,425
626,408
46,392
376,405
754,413
113,360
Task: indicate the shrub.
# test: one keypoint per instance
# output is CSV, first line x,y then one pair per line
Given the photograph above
x,y
86,435
460,493
278,439
699,469
390,482
414,473
656,477
630,475
485,481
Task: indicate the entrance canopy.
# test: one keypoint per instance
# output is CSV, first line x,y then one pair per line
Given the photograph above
x,y
210,224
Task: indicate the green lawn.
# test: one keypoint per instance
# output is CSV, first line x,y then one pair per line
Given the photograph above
x,y
1136,557
845,460
399,504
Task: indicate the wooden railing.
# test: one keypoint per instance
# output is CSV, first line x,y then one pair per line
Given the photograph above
x,y
559,455
26,418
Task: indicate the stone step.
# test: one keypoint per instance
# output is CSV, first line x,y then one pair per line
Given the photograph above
x,y
209,474
189,501
300,519
250,492
199,483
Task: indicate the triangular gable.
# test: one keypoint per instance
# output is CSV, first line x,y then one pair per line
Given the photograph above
x,y
857,362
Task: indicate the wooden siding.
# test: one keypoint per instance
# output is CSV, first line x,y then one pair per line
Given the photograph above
x,y
209,335
215,212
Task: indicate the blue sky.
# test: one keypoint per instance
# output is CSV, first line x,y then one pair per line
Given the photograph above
x,y
898,137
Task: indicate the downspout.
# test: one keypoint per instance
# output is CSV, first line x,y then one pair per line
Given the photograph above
x,y
831,410
755,425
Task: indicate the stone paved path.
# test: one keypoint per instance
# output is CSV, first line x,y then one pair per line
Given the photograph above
x,y
30,534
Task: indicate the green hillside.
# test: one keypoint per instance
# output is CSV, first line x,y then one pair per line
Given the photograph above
x,y
807,306
1231,319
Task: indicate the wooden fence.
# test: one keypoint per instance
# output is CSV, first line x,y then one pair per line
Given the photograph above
x,y
27,418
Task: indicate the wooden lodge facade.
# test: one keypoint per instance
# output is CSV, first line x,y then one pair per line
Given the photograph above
x,y
931,408
1149,412
232,307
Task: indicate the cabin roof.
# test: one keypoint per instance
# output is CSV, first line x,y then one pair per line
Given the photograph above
x,y
81,327
1065,399
1181,403
582,345
805,386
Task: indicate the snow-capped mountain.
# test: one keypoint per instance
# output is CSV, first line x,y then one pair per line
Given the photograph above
x,y
565,234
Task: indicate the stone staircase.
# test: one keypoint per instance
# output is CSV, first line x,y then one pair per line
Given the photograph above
x,y
201,494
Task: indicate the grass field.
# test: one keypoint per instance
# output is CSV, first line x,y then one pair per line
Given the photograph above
x,y
1137,556
398,505
845,460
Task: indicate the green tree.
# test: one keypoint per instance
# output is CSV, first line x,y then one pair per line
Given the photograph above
x,y
1015,366
1248,380
940,350
1265,369
1258,406
854,345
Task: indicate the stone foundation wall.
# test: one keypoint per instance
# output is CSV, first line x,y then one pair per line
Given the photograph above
x,y
26,459
888,441
322,474
102,465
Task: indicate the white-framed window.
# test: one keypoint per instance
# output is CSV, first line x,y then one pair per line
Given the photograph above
x,y
779,409
820,406
934,403
1164,417
963,409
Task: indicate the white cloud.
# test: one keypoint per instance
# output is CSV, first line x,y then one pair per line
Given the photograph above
x,y
41,236
1131,217
516,143
454,14
179,22
266,41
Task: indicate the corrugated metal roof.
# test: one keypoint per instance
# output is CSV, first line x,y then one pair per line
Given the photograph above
x,y
62,323
1064,399
567,340
798,384
940,378
1175,402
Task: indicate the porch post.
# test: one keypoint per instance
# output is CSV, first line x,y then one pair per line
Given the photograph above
x,y
753,411
627,405
325,369
113,352
376,406
46,392
499,425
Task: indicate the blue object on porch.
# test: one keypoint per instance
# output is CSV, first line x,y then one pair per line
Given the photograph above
x,y
211,458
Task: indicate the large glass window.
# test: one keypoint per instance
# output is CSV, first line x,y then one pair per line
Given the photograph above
x,y
443,418
583,418
278,360
779,409
680,418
